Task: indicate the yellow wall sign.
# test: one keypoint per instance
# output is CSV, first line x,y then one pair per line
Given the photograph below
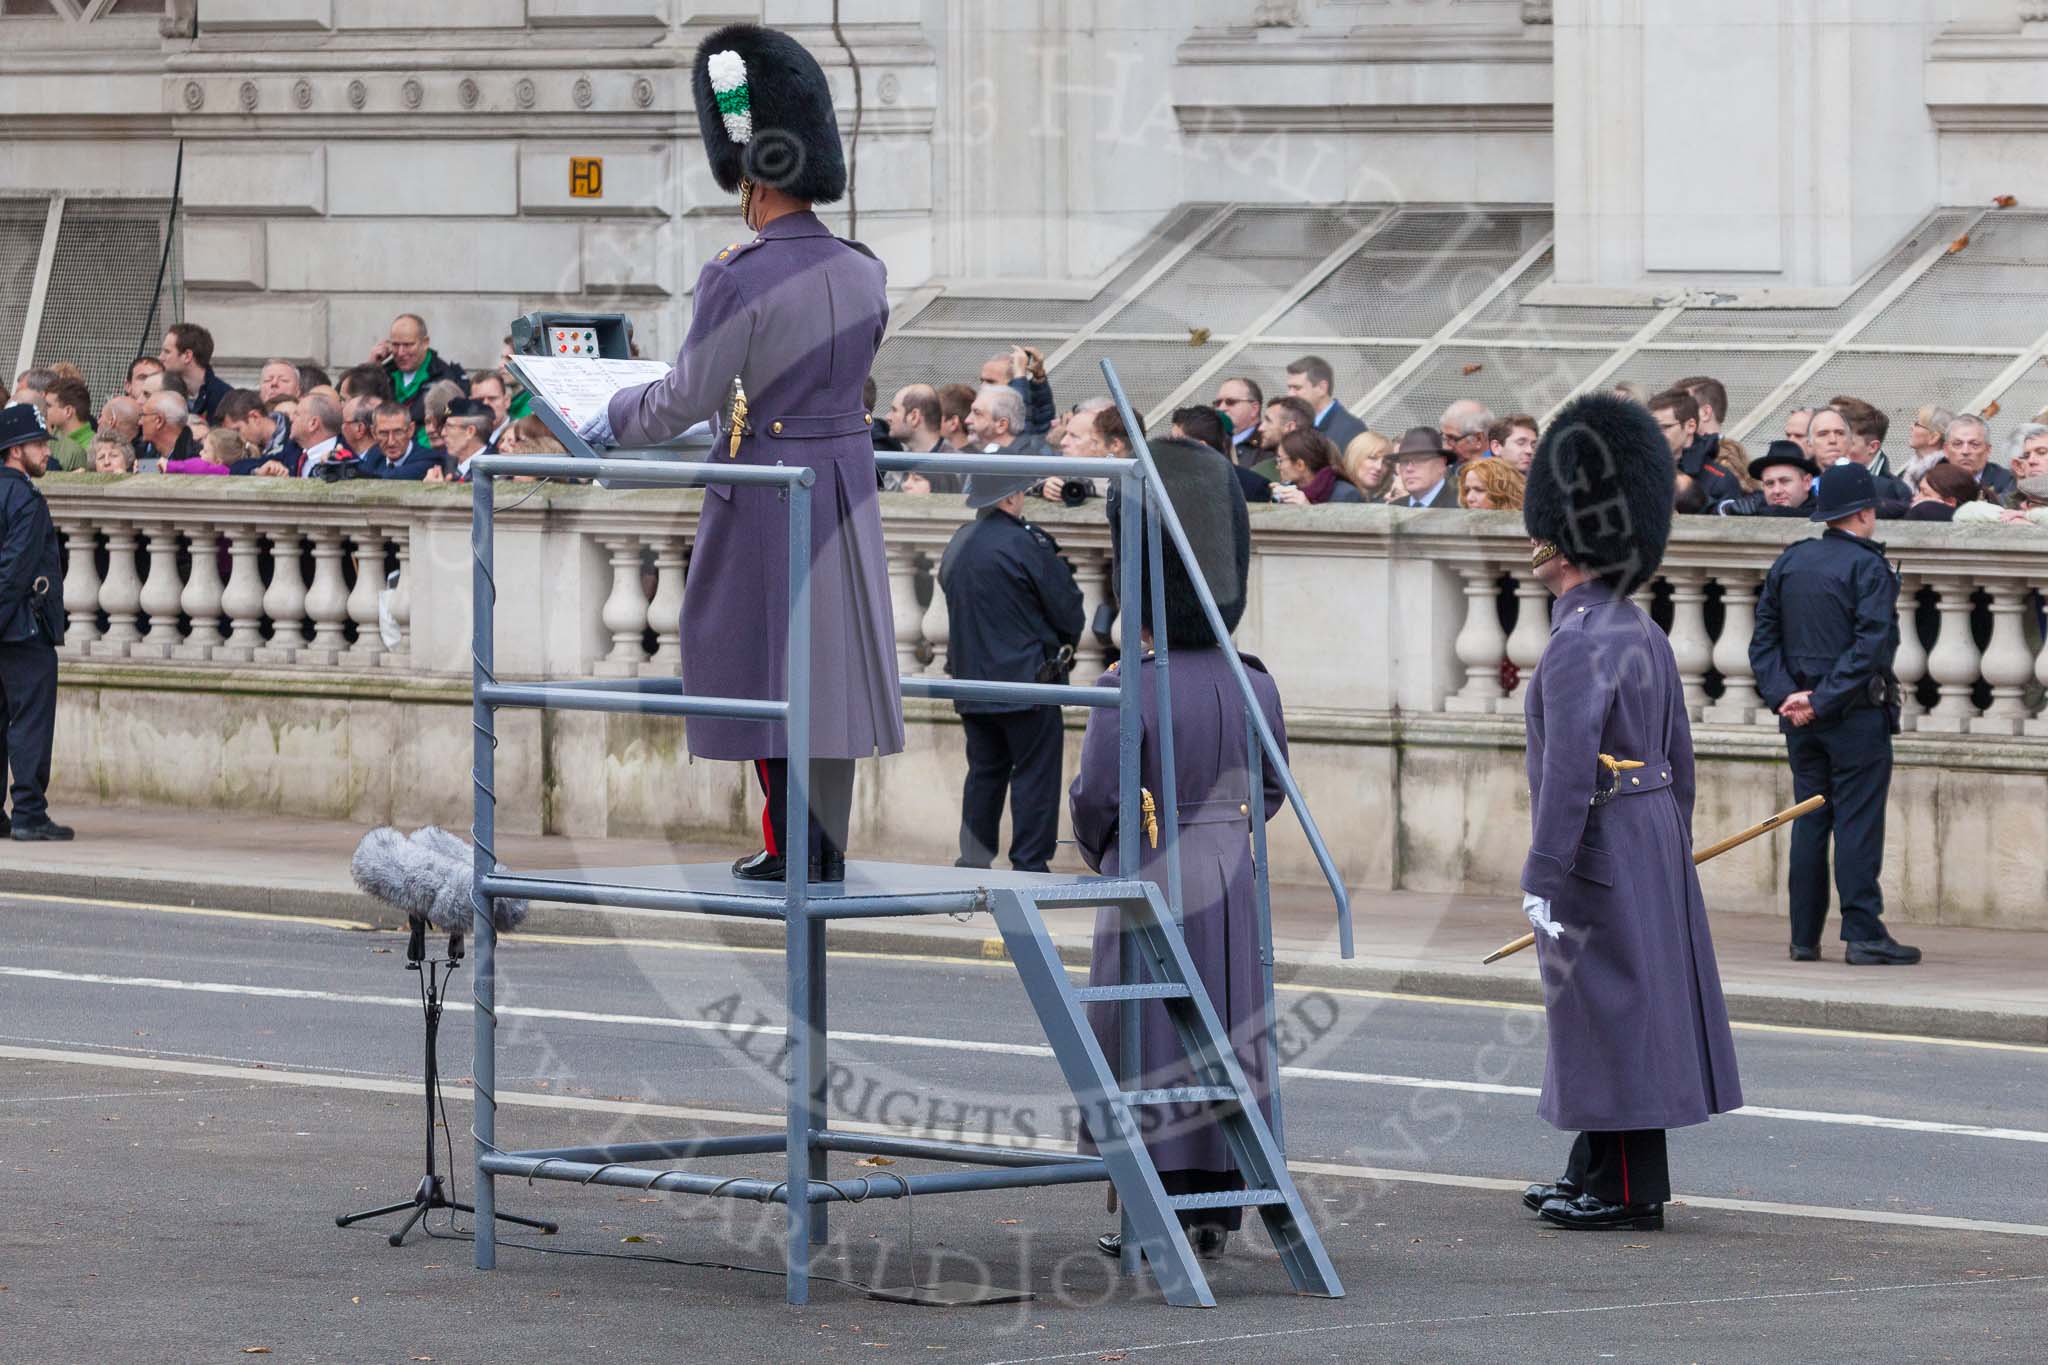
x,y
586,177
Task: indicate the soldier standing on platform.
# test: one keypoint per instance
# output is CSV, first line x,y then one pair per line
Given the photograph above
x,y
782,340
1015,616
1826,633
31,624
1215,807
1638,1032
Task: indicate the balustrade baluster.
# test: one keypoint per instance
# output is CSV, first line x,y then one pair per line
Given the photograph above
x,y
1091,575
363,597
401,602
1954,660
242,600
161,593
1691,646
665,609
2008,664
327,600
120,595
625,610
1527,640
936,627
909,618
284,601
1910,666
1481,642
1739,701
81,589
201,600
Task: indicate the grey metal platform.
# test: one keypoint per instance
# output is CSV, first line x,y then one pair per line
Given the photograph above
x,y
1153,964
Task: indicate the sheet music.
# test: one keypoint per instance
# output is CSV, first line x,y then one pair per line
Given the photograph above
x,y
579,388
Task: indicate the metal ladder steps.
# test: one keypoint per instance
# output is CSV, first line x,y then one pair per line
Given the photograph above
x,y
1148,990
1186,1094
1224,1199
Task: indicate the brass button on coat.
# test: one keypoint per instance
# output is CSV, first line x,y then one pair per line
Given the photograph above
x,y
777,428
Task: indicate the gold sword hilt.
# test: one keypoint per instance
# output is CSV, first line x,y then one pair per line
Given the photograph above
x,y
739,420
1150,816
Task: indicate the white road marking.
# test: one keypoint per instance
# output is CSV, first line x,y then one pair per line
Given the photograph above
x,y
714,1026
1117,1351
740,1118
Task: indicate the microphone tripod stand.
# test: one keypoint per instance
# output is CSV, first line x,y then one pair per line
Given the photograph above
x,y
432,1192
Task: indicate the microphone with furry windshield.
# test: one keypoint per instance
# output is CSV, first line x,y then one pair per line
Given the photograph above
x,y
428,874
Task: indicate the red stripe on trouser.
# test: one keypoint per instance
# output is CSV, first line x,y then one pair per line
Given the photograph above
x,y
767,813
1624,1172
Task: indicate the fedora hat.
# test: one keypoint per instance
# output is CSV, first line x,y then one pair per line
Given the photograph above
x,y
1422,443
1783,453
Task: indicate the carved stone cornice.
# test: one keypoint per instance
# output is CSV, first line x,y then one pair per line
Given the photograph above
x,y
1215,119
1238,47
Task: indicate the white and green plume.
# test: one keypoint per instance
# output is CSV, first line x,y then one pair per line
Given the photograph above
x,y
728,71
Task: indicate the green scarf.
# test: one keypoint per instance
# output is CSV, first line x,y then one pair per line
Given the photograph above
x,y
406,391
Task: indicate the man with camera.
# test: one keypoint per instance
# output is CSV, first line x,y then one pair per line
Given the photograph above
x,y
31,624
1015,616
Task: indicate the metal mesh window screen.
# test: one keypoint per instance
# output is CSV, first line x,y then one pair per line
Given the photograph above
x,y
1150,370
910,359
1505,379
1994,292
1241,271
1813,326
1359,368
2022,401
21,239
1896,382
1749,376
1510,318
100,286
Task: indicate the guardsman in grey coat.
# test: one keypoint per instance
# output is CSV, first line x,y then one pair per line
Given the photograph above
x,y
1215,808
31,624
782,339
1638,1032
1827,630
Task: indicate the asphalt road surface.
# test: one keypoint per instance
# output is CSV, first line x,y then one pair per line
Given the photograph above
x,y
187,1098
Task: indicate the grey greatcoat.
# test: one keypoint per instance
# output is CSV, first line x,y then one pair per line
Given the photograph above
x,y
796,314
1638,1031
1220,914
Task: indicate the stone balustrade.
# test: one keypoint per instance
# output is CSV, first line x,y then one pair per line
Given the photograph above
x,y
1402,641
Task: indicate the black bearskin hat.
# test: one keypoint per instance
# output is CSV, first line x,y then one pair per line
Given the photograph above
x,y
1206,498
1601,489
765,110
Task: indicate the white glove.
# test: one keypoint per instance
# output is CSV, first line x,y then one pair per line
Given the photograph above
x,y
1538,911
598,430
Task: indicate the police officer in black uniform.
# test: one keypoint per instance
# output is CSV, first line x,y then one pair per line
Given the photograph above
x,y
31,623
1015,617
1826,633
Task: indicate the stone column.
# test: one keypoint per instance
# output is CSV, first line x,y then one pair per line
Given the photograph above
x,y
1528,639
1481,641
81,591
665,610
243,598
120,595
327,600
1953,662
1739,700
625,610
1690,644
160,595
201,601
284,601
364,596
909,617
1091,575
936,627
2008,664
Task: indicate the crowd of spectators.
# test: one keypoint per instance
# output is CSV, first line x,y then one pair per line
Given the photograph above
x,y
408,412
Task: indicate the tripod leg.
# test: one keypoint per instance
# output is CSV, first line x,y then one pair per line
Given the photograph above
x,y
398,1237
509,1218
344,1220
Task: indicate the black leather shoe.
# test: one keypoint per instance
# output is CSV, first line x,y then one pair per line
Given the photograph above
x,y
1588,1213
1533,1198
1802,953
48,831
6,828
1861,952
1110,1244
831,866
1211,1241
762,867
